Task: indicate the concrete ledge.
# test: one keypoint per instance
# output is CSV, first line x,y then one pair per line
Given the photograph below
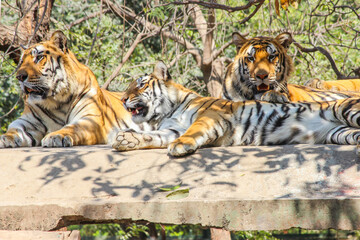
x,y
39,235
238,188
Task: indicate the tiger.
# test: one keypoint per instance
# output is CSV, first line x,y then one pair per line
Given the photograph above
x,y
335,85
184,121
261,70
63,103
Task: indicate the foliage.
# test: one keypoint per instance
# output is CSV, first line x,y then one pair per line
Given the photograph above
x,y
9,95
116,231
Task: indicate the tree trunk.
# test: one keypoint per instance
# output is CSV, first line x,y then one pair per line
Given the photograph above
x,y
213,77
34,26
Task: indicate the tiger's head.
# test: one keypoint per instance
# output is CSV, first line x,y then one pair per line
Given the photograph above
x,y
261,64
150,98
44,71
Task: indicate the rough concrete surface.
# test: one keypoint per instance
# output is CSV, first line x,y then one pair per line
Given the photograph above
x,y
39,235
238,188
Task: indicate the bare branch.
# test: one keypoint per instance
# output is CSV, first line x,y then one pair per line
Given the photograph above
x,y
339,75
199,20
216,53
80,20
260,3
209,39
95,35
215,5
122,11
115,73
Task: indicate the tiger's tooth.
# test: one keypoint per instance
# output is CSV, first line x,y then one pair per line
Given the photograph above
x,y
137,111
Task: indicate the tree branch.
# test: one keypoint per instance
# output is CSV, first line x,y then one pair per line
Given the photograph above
x,y
115,73
130,15
215,5
217,52
260,3
33,26
209,39
199,20
80,20
339,75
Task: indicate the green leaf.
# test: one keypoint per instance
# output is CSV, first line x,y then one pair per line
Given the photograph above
x,y
178,194
167,189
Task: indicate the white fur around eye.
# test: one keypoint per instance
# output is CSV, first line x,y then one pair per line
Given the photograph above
x,y
141,81
271,49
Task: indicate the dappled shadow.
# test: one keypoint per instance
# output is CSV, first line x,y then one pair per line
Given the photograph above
x,y
297,173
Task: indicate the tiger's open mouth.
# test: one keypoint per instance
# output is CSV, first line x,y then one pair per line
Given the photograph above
x,y
35,92
138,110
263,87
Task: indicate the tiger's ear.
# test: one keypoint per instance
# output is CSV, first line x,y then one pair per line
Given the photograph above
x,y
161,71
238,40
60,40
285,39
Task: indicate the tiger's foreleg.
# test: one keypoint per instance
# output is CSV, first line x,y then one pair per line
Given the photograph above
x,y
23,132
206,130
275,97
131,140
86,131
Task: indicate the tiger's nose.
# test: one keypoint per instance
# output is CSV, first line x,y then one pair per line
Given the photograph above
x,y
262,76
22,75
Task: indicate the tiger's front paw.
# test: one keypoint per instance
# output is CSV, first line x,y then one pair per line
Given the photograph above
x,y
128,140
275,97
10,141
178,148
57,140
315,83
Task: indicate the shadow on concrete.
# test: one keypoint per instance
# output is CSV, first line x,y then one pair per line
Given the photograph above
x,y
127,175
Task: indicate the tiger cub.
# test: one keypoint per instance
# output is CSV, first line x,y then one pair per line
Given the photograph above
x,y
261,70
64,105
185,121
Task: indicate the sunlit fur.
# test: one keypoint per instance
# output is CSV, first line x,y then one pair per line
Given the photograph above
x,y
261,66
186,121
337,85
241,81
64,105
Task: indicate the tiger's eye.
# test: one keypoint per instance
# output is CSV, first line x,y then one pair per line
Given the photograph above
x,y
250,58
271,57
38,58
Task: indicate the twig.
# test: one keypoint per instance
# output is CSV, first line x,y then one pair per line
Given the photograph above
x,y
339,75
215,5
38,24
95,35
260,3
126,57
12,109
80,20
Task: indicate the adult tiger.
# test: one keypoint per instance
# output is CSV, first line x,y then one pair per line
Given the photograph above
x,y
337,85
64,105
261,70
185,121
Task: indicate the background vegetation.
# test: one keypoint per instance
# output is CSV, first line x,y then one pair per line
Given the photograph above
x,y
121,40
127,38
